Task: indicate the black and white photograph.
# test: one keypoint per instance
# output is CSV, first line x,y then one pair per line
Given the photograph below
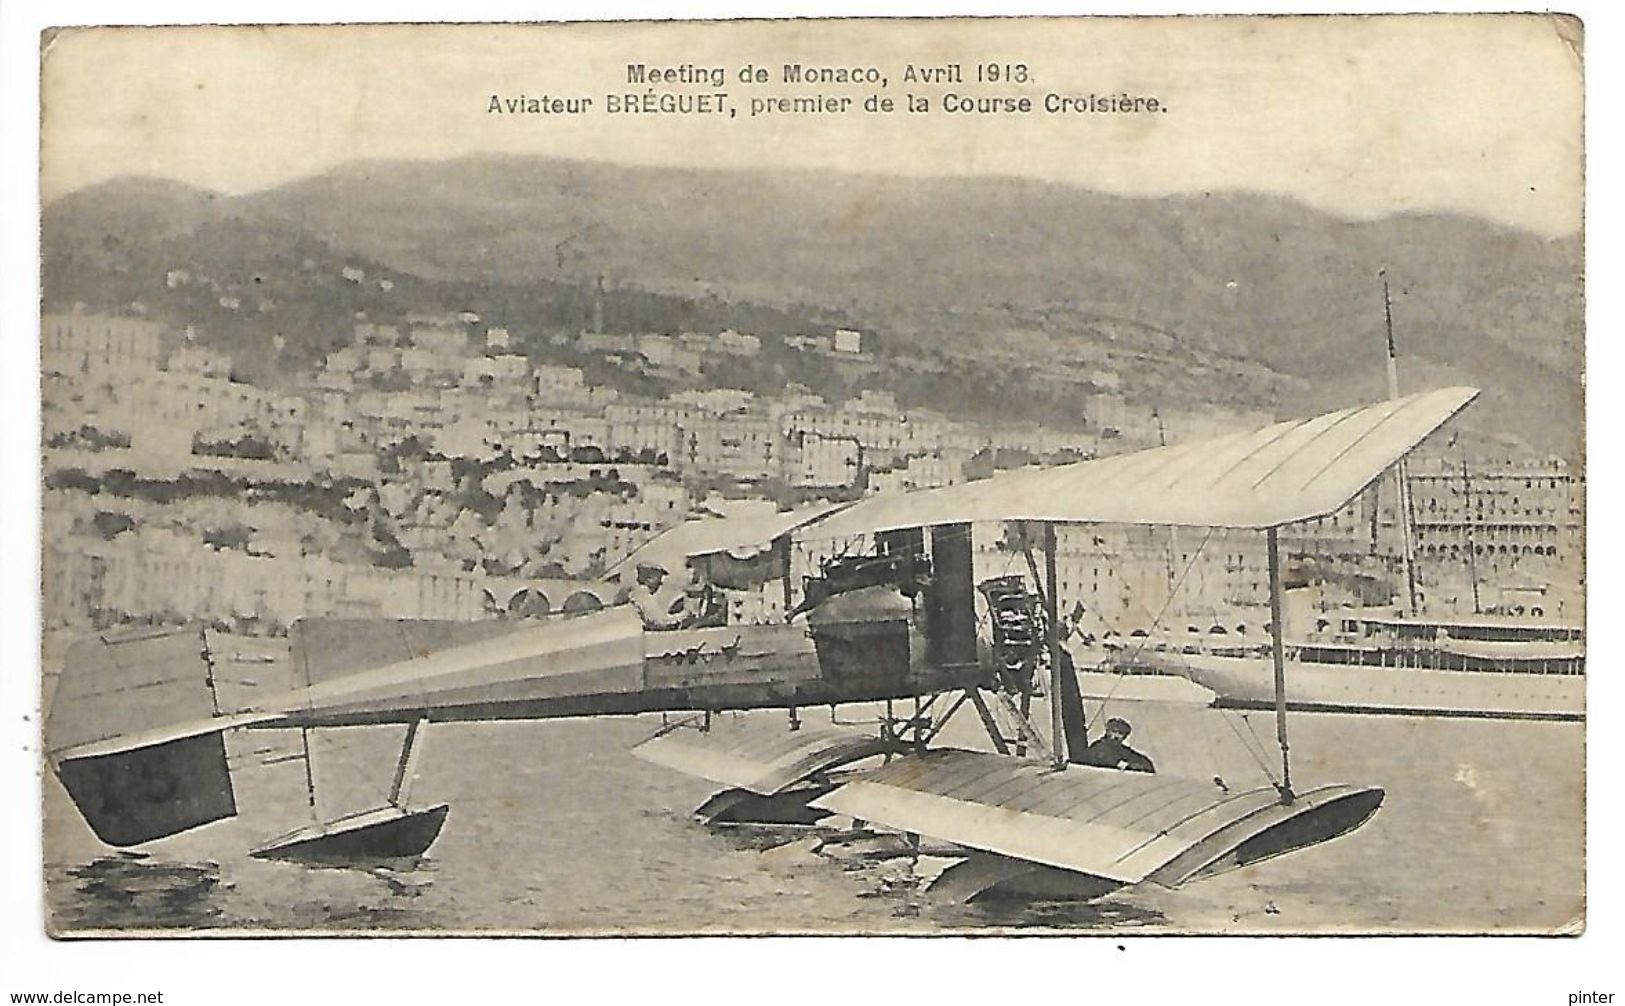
x,y
974,476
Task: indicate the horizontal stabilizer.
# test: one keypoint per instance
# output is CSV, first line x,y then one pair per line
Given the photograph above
x,y
579,664
1122,826
146,793
114,686
754,755
325,648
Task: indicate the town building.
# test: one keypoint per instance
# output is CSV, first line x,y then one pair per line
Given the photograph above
x,y
824,462
83,344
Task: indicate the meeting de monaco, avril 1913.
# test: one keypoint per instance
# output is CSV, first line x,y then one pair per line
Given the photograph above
x,y
717,101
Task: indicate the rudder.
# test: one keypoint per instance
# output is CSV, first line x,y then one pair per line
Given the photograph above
x,y
154,791
135,736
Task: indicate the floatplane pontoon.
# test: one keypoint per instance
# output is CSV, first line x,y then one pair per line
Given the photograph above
x,y
136,734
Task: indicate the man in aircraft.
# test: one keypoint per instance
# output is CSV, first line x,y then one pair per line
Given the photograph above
x,y
686,605
660,608
1112,750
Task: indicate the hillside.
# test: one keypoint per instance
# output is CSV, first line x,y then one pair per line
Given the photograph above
x,y
943,266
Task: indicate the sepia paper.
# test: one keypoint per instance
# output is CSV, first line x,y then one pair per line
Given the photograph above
x,y
401,350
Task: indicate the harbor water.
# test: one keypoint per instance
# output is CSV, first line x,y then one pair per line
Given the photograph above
x,y
555,828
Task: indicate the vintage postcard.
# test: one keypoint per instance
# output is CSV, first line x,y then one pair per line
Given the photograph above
x,y
1047,475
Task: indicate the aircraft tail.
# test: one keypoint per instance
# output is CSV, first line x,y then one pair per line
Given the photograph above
x,y
153,791
136,739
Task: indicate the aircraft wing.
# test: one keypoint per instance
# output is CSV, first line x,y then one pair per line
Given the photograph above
x,y
1124,826
754,755
1282,474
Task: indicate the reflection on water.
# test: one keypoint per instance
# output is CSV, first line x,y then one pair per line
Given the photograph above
x,y
1015,913
406,878
360,896
131,892
119,892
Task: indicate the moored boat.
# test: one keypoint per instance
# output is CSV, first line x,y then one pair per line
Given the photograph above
x,y
1479,667
1153,672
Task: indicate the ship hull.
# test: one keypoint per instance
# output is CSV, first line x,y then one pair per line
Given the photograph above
x,y
1249,683
1131,687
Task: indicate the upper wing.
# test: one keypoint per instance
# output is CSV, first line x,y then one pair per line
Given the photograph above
x,y
1288,472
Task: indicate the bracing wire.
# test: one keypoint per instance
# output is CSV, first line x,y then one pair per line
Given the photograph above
x,y
1255,749
1155,621
1248,740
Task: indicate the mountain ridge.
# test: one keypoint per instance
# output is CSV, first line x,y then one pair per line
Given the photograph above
x,y
941,262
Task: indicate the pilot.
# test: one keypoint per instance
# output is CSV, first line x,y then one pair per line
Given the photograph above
x,y
659,608
1112,750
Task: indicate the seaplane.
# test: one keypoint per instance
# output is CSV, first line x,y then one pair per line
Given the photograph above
x,y
136,732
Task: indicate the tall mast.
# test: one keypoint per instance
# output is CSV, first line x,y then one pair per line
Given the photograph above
x,y
1403,502
1278,652
1173,529
1467,515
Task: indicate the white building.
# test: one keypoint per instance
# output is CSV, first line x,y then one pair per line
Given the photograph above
x,y
556,385
716,401
825,461
741,446
74,344
367,333
664,351
200,360
423,366
738,343
495,371
441,338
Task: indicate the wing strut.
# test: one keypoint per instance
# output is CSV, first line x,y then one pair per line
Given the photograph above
x,y
1064,699
1027,732
994,732
1052,634
400,789
1278,651
1028,682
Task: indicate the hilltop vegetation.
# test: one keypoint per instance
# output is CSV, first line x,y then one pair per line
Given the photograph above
x,y
1015,285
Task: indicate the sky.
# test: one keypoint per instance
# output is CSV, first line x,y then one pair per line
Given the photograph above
x,y
1358,116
